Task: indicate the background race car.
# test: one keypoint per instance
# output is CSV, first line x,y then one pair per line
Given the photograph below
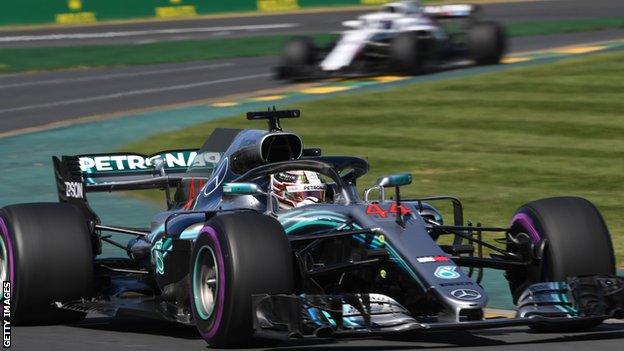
x,y
403,37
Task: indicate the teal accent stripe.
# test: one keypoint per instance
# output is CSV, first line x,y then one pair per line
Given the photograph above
x,y
329,318
308,214
308,223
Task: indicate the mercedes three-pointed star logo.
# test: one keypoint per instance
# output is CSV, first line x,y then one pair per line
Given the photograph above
x,y
466,294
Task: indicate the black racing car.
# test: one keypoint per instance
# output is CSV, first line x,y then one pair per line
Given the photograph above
x,y
230,258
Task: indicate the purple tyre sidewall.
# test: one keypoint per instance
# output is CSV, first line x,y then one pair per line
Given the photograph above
x,y
6,237
526,223
217,316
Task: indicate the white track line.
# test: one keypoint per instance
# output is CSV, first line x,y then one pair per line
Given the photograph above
x,y
135,33
132,93
115,75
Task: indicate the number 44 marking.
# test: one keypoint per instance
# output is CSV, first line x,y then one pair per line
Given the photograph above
x,y
376,209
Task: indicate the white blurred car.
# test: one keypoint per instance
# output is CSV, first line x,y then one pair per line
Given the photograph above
x,y
402,37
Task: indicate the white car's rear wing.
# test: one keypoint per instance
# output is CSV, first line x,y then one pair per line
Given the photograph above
x,y
450,11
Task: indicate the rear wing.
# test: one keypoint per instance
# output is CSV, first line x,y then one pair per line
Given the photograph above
x,y
451,11
77,175
99,169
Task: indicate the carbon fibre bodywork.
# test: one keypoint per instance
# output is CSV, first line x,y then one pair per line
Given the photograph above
x,y
404,244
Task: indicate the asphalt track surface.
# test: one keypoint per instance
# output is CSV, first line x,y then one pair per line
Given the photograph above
x,y
36,99
230,27
102,334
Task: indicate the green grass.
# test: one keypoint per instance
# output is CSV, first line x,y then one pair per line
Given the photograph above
x,y
52,58
496,140
530,28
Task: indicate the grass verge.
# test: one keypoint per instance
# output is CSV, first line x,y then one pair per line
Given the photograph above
x,y
531,28
52,58
496,140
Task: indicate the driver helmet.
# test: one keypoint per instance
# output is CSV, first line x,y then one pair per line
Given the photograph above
x,y
297,188
413,7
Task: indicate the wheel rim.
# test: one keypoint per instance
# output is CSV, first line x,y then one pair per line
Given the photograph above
x,y
6,255
205,282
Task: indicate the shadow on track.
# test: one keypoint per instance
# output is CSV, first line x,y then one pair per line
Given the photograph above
x,y
490,338
140,326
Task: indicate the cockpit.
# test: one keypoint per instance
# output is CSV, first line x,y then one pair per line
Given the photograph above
x,y
275,161
404,7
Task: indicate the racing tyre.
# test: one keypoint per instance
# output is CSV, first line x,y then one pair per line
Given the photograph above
x,y
407,53
46,254
572,239
237,255
297,57
487,42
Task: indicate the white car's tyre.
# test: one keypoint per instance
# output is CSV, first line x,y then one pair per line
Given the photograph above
x,y
297,56
487,42
407,53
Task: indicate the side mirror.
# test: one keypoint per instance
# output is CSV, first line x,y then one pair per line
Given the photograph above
x,y
158,162
352,24
241,189
389,181
394,180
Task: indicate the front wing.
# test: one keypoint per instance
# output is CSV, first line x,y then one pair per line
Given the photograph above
x,y
582,300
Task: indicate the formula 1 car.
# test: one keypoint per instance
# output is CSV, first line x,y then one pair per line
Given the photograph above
x,y
229,258
404,37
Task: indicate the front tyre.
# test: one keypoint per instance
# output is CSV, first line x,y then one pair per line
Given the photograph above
x,y
235,256
297,58
407,53
572,238
487,42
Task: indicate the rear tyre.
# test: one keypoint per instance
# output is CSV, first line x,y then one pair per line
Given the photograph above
x,y
297,57
577,242
237,255
487,42
407,53
47,257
